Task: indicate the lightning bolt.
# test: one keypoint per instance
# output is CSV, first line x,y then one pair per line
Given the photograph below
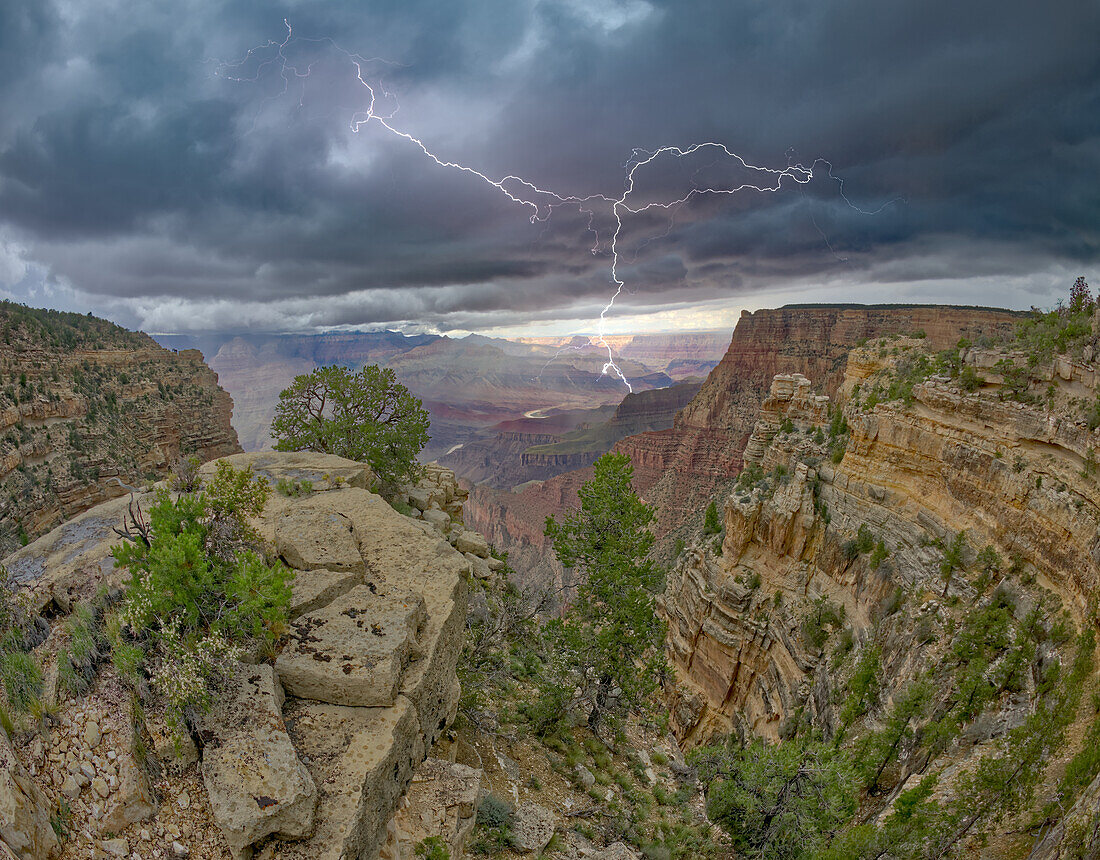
x,y
382,108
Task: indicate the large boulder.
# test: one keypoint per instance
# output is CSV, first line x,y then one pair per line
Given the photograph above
x,y
24,811
532,827
473,543
354,650
256,784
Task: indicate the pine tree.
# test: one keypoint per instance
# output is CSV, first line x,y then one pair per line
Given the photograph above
x,y
610,641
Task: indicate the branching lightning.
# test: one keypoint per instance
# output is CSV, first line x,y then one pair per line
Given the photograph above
x,y
382,108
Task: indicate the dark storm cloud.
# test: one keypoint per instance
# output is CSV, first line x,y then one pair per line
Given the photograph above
x,y
137,180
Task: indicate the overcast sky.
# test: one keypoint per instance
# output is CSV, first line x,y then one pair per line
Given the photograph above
x,y
155,172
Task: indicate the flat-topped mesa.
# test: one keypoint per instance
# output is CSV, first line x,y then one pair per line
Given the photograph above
x,y
315,752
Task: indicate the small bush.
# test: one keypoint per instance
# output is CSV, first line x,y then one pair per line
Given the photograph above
x,y
433,848
970,379
294,489
199,588
494,812
185,476
711,524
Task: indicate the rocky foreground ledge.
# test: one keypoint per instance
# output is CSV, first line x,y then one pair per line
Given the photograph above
x,y
307,758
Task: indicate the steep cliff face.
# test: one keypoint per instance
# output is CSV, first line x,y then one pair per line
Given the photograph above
x,y
842,540
683,467
514,521
86,407
702,451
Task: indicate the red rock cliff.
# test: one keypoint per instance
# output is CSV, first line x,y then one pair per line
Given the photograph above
x,y
683,468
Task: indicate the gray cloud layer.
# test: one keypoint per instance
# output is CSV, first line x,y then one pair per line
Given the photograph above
x,y
137,180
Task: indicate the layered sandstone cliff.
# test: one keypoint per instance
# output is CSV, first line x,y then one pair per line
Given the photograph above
x,y
680,469
702,452
848,511
88,407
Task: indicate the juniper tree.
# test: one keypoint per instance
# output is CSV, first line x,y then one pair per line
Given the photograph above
x,y
366,416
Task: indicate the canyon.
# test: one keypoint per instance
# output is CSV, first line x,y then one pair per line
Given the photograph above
x,y
468,385
88,409
682,468
907,500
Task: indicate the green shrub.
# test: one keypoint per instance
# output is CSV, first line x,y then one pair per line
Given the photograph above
x,y
879,555
820,618
970,379
494,811
779,801
711,524
292,488
199,589
22,680
433,848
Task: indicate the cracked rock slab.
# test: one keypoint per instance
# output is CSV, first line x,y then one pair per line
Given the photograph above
x,y
312,589
363,759
355,650
311,537
256,784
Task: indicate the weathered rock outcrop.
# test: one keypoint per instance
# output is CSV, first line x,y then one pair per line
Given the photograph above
x,y
441,803
311,755
92,407
855,526
255,781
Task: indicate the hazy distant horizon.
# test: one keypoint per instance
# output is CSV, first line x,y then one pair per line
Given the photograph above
x,y
221,167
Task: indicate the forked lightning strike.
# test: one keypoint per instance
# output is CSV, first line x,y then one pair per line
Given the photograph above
x,y
541,201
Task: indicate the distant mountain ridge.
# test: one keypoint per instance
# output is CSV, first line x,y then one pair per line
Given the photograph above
x,y
468,384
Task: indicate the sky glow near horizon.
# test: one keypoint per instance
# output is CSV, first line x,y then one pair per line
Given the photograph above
x,y
138,184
